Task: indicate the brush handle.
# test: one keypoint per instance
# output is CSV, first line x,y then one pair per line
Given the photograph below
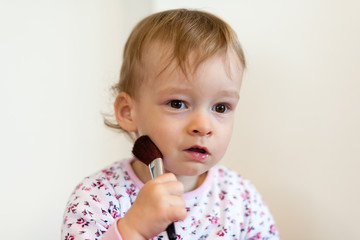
x,y
156,169
171,232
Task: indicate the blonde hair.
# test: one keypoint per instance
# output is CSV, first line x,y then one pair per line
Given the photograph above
x,y
186,31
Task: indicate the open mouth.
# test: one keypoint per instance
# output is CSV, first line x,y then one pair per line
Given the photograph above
x,y
198,149
198,153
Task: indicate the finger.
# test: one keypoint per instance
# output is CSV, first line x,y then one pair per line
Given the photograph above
x,y
166,177
176,213
174,188
175,201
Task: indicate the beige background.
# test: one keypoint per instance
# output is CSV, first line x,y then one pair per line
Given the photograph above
x,y
297,137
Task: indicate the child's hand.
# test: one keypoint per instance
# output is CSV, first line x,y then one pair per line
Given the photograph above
x,y
158,204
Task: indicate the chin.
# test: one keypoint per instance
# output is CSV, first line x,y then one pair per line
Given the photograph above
x,y
190,170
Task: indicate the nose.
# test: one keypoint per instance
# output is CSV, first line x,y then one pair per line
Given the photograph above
x,y
200,125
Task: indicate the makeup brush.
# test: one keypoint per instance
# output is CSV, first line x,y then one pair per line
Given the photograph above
x,y
147,152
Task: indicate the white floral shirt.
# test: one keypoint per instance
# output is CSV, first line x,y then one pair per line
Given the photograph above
x,y
225,206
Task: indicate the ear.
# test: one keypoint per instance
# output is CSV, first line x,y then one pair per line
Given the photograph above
x,y
123,107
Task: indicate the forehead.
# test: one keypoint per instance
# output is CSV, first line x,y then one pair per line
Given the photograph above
x,y
158,58
219,75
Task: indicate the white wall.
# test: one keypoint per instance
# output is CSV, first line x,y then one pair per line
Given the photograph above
x,y
297,136
57,62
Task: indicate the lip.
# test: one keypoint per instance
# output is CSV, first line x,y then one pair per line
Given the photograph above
x,y
199,153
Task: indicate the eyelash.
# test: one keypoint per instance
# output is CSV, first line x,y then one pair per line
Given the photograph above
x,y
175,104
227,107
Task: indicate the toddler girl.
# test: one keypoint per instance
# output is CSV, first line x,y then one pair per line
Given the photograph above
x,y
179,84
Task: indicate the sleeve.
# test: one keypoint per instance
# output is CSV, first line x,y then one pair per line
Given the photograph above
x,y
112,233
91,211
260,224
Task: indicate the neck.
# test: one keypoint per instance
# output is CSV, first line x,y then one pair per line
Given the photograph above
x,y
190,182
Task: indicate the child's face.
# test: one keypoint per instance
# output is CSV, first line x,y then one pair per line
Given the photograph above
x,y
190,120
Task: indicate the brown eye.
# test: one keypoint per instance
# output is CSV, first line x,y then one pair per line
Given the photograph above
x,y
221,108
177,104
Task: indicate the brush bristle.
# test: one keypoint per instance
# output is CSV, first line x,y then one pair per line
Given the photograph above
x,y
145,150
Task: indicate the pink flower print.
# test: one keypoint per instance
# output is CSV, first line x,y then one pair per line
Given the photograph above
x,y
88,189
250,229
214,220
195,222
242,183
248,212
72,208
221,233
80,221
256,237
106,226
272,229
108,172
95,198
99,184
69,237
103,212
221,172
78,186
245,195
131,191
114,214
222,195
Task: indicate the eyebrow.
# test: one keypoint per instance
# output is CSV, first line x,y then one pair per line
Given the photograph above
x,y
230,93
183,90
174,89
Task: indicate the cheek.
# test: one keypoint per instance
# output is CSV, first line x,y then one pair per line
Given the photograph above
x,y
163,132
146,120
166,132
225,136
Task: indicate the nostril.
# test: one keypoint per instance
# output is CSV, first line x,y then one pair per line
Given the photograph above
x,y
205,133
